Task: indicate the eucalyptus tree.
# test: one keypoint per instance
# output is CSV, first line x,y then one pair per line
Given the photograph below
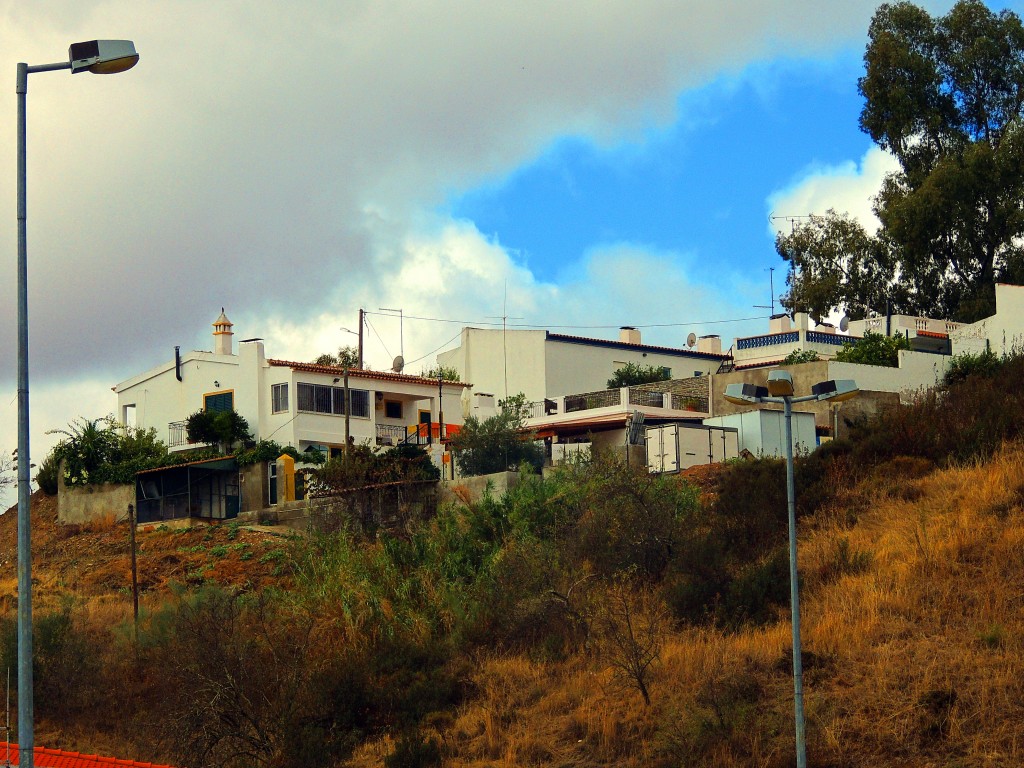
x,y
945,96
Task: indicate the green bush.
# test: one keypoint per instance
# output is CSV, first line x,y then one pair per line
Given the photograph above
x,y
498,443
874,349
982,364
223,428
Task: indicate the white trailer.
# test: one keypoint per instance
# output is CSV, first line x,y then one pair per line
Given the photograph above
x,y
672,447
762,432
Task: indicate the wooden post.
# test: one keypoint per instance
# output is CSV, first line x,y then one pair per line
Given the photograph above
x,y
135,572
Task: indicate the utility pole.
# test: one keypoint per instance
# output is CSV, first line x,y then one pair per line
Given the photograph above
x,y
360,338
135,574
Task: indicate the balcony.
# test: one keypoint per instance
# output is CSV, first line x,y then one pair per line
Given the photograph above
x,y
413,434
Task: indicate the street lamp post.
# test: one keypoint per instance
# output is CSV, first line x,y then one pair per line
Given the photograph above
x,y
780,390
100,57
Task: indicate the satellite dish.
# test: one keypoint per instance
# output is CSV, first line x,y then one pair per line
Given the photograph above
x,y
844,324
398,364
691,340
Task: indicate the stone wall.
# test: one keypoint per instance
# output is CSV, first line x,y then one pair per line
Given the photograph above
x,y
88,503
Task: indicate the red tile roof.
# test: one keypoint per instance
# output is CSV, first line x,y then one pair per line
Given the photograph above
x,y
356,373
933,334
56,758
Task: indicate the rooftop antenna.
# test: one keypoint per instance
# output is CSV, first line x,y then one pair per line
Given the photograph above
x,y
504,331
401,331
771,288
772,218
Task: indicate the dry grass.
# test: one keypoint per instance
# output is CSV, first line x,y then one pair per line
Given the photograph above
x,y
913,639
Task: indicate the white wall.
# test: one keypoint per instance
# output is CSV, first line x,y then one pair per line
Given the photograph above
x,y
540,366
1002,333
917,371
578,368
485,357
159,398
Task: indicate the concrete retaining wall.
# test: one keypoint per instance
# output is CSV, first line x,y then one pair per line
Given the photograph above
x,y
93,502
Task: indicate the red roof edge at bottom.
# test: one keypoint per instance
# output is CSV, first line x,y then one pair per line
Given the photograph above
x,y
58,758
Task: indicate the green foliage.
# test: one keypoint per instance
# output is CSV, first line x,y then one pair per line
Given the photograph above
x,y
102,451
347,357
983,364
222,428
363,466
965,421
798,356
497,443
444,372
874,349
268,450
46,475
631,374
945,96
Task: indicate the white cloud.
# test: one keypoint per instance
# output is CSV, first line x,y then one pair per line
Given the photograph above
x,y
846,188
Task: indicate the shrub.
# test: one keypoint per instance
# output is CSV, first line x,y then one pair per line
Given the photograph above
x,y
224,428
798,356
982,364
498,443
874,349
632,374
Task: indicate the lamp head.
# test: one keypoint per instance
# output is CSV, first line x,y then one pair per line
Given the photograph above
x,y
741,394
780,383
103,57
837,391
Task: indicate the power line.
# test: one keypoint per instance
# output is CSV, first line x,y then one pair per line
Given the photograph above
x,y
541,326
453,338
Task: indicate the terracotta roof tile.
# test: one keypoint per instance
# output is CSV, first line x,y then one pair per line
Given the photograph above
x,y
57,758
360,374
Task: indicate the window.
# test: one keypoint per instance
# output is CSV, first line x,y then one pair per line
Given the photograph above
x,y
393,409
219,401
360,403
279,398
320,398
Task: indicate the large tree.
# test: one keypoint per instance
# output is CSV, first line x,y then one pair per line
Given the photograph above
x,y
945,96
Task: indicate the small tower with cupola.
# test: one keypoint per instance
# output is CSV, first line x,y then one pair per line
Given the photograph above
x,y
222,334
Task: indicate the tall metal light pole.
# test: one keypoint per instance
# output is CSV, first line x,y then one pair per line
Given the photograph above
x,y
780,390
99,57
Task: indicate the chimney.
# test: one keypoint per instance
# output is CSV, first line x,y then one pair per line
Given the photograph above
x,y
711,345
629,335
222,334
825,328
778,324
802,321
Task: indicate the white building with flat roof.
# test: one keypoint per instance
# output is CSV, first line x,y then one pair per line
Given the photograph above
x,y
541,364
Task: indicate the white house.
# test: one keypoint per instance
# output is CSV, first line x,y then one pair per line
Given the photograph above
x,y
541,364
294,403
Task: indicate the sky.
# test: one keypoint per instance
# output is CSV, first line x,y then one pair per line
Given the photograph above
x,y
571,166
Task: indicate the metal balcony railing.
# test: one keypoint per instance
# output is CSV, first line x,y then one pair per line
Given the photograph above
x,y
177,434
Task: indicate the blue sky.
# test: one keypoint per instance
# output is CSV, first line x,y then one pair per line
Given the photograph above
x,y
700,185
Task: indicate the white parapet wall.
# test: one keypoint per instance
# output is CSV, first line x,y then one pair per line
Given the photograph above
x,y
917,371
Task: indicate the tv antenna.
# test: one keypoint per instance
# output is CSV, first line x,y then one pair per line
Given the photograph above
x,y
771,288
504,330
773,217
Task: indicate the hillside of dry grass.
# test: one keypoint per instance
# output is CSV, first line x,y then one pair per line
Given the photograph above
x,y
913,648
913,643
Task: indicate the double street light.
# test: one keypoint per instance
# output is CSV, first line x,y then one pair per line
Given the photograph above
x,y
780,390
102,57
